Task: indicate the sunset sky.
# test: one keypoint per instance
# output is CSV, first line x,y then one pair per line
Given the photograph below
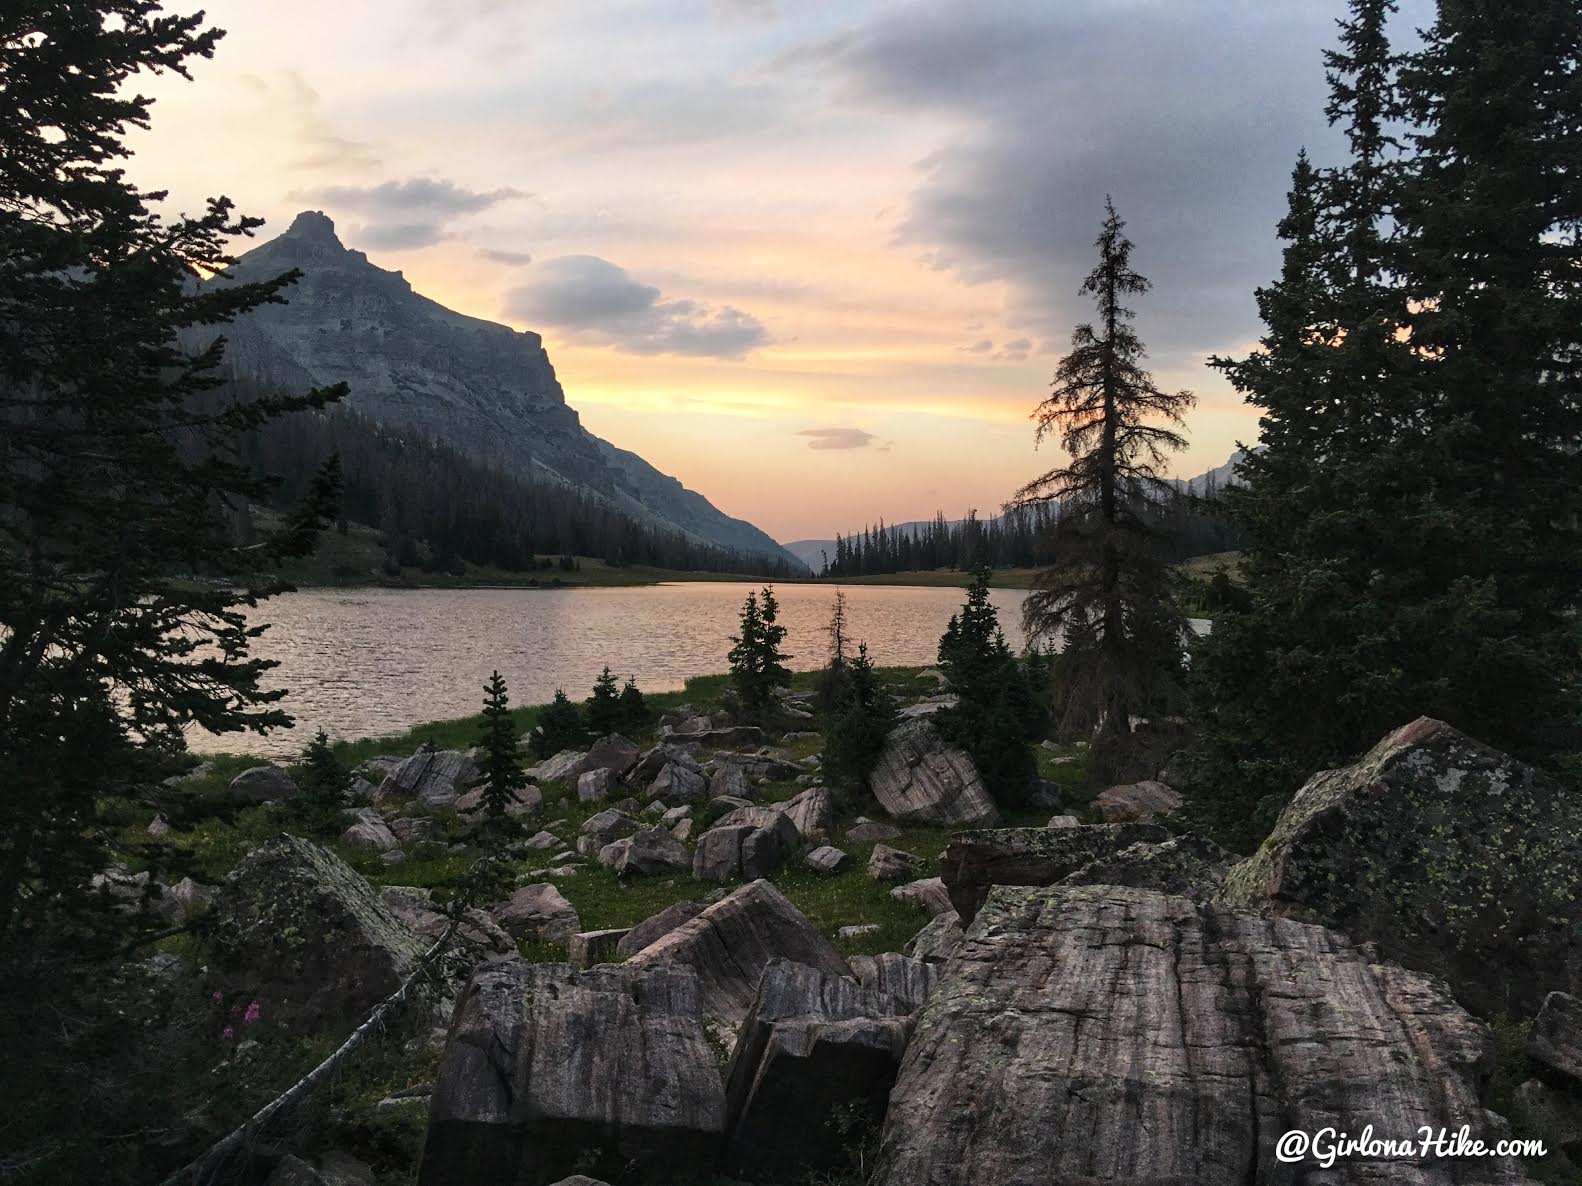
x,y
817,260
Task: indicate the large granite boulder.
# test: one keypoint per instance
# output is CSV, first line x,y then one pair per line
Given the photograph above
x,y
548,1071
1095,1034
1453,857
369,832
436,777
927,894
1555,1040
1191,865
918,776
739,851
812,812
538,911
609,825
657,926
730,780
652,850
559,767
894,864
677,783
295,928
975,861
904,978
524,803
937,941
262,784
665,753
815,1058
729,944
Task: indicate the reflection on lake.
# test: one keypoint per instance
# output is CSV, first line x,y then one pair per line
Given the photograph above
x,y
369,662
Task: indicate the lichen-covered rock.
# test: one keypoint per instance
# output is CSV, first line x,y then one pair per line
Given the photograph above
x,y
262,784
657,926
816,1056
918,776
975,861
1101,1034
1555,1040
938,941
1453,857
893,864
548,1070
729,944
1137,801
1191,865
295,928
538,911
652,850
927,894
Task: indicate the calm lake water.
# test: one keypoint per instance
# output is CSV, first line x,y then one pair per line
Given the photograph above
x,y
371,662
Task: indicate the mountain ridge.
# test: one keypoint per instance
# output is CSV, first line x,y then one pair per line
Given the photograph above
x,y
481,387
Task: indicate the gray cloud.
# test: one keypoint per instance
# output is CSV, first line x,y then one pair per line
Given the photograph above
x,y
595,301
430,195
981,346
515,259
1015,350
840,438
1190,113
408,214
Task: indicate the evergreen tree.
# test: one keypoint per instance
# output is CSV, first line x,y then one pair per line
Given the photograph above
x,y
991,717
119,470
833,679
634,711
855,724
604,714
1412,513
322,783
501,776
1113,571
559,727
757,663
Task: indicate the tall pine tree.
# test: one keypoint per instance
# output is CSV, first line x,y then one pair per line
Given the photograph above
x,y
1112,580
501,775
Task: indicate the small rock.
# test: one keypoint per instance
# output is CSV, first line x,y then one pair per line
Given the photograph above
x,y
892,864
654,850
595,785
558,768
676,783
370,833
160,827
1064,821
541,840
608,826
857,932
929,894
826,859
682,829
587,948
871,831
262,784
539,912
1137,801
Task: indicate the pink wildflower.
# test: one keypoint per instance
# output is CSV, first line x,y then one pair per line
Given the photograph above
x,y
217,996
252,1013
227,1033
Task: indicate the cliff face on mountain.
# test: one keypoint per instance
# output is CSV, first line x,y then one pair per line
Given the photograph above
x,y
480,387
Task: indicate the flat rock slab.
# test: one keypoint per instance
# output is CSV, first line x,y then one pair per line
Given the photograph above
x,y
436,777
1137,801
729,944
547,1071
1100,1034
1453,857
657,926
975,861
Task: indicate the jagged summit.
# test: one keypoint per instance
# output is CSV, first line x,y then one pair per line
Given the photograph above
x,y
483,388
314,225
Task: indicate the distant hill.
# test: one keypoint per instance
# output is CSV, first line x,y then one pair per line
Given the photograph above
x,y
481,388
812,551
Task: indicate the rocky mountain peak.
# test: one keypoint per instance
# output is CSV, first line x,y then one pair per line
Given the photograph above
x,y
314,226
